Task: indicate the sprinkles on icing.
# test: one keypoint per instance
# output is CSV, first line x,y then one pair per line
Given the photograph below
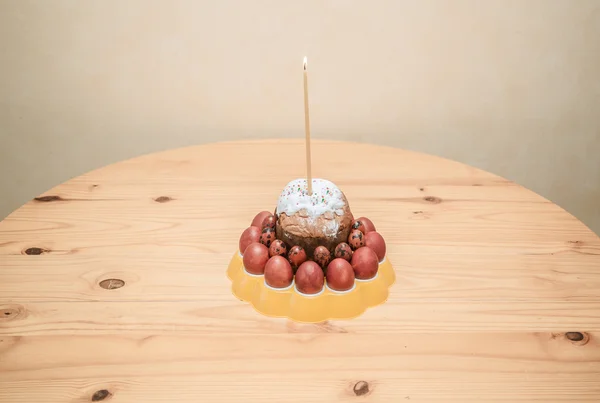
x,y
326,197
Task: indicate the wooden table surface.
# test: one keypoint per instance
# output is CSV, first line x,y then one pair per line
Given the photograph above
x,y
113,286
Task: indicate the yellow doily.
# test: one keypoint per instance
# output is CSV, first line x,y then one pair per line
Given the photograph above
x,y
291,304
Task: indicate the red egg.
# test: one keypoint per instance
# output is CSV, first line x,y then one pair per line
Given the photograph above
x,y
259,218
278,272
367,223
267,236
344,251
356,239
297,256
365,263
277,248
359,225
309,278
250,234
340,276
322,256
255,258
375,241
269,222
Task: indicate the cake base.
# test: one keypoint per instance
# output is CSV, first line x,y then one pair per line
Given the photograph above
x,y
327,305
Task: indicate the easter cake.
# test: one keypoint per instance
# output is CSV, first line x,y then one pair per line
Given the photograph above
x,y
312,242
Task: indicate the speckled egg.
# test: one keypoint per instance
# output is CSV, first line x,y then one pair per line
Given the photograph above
x,y
344,251
259,218
297,256
277,248
356,239
267,236
269,222
322,256
369,226
359,225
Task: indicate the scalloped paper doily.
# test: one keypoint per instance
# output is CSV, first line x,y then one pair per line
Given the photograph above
x,y
327,305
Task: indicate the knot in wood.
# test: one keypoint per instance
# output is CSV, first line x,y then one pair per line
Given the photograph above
x,y
35,251
578,338
112,283
433,199
11,312
162,199
101,395
48,198
574,336
361,388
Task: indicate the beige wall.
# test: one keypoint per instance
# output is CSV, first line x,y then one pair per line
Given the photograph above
x,y
509,86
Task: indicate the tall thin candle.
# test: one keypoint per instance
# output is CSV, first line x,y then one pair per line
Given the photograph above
x,y
307,129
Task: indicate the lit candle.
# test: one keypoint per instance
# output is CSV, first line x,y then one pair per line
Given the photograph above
x,y
307,129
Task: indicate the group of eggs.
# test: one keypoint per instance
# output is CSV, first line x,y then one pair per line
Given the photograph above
x,y
264,254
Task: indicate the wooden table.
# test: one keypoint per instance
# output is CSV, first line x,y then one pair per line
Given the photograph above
x,y
113,286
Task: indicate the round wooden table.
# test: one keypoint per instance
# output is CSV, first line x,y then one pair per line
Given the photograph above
x,y
113,286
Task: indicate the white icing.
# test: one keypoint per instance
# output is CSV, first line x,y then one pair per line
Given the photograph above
x,y
325,197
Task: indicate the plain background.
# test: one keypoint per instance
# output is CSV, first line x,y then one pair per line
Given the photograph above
x,y
510,86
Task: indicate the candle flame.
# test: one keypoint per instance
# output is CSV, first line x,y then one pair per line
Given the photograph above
x,y
305,62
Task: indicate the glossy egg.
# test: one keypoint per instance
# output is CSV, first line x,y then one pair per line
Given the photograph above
x,y
309,278
250,234
255,258
365,263
356,239
277,248
322,256
375,241
344,251
340,276
269,222
369,226
278,272
267,236
259,218
297,256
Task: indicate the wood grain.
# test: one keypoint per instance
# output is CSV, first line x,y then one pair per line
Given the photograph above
x,y
321,367
208,317
491,278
